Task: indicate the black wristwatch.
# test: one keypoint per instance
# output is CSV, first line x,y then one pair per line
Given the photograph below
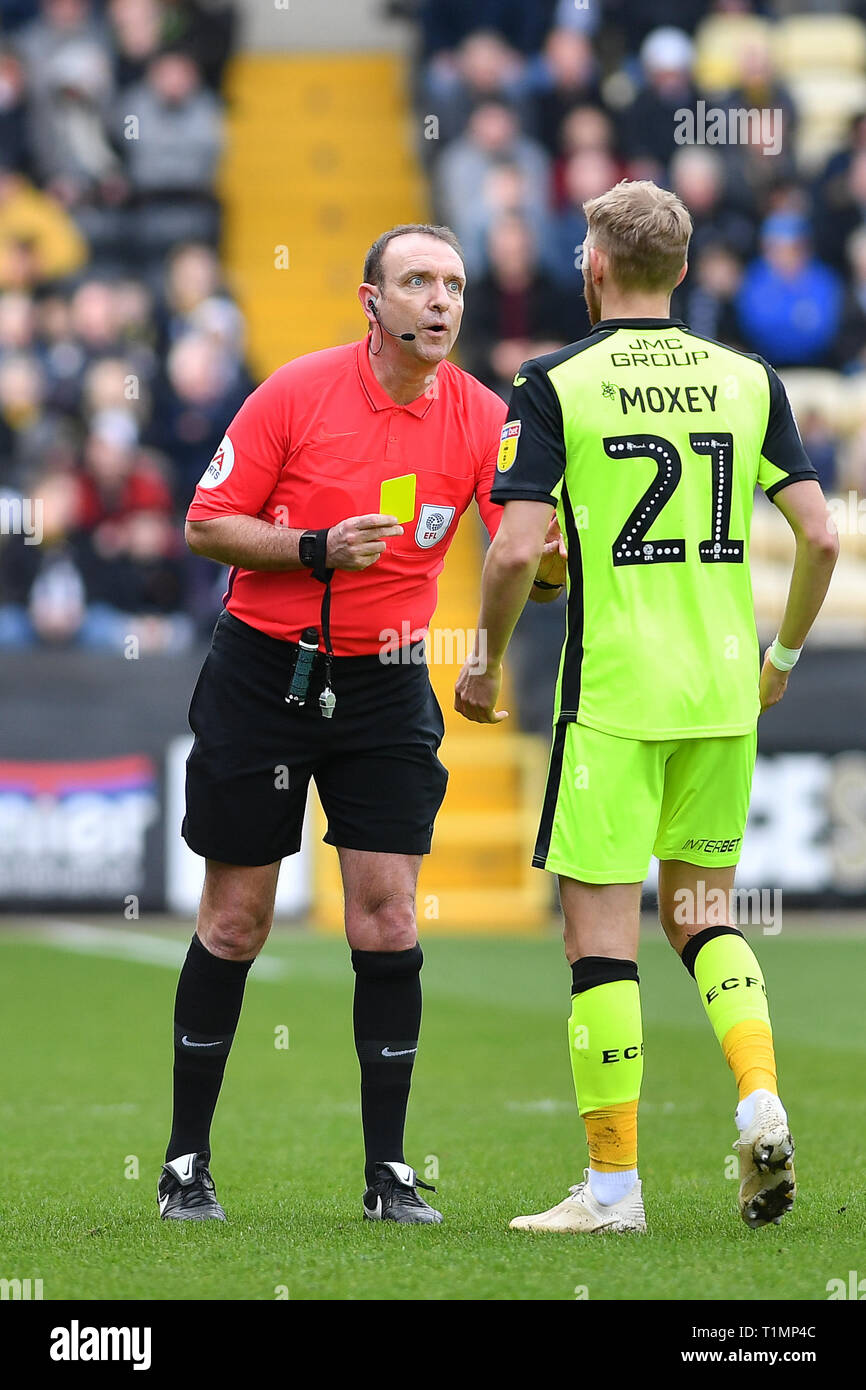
x,y
307,548
313,551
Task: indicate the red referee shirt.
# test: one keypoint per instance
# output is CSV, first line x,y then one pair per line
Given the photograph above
x,y
312,446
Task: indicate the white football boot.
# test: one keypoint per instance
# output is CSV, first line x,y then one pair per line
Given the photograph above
x,y
766,1150
580,1212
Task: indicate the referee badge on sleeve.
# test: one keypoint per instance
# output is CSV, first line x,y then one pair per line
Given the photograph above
x,y
508,445
220,465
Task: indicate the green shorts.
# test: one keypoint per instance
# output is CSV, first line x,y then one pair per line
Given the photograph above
x,y
613,802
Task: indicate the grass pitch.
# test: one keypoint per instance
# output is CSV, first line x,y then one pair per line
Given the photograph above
x,y
85,1107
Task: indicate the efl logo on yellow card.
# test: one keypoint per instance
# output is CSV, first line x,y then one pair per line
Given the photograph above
x,y
508,445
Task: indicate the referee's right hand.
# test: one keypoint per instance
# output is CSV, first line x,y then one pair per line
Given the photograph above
x,y
357,542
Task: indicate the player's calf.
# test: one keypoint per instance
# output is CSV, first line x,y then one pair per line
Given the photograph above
x,y
734,995
606,1046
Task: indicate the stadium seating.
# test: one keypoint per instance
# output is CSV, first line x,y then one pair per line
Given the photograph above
x,y
834,43
826,102
719,44
319,163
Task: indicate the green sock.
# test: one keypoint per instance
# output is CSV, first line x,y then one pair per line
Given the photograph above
x,y
605,1039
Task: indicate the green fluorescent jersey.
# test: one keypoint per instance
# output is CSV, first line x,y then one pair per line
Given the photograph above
x,y
650,440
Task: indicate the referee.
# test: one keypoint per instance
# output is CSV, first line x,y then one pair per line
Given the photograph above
x,y
650,440
333,497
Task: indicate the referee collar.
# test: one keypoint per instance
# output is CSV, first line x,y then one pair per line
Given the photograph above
x,y
637,323
379,398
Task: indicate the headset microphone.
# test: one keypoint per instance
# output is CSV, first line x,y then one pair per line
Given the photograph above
x,y
405,337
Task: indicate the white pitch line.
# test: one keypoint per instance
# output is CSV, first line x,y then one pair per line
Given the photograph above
x,y
122,944
540,1107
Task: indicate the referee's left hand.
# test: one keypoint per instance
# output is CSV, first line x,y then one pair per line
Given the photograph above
x,y
476,693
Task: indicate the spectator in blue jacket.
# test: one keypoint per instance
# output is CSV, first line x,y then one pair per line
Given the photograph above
x,y
790,303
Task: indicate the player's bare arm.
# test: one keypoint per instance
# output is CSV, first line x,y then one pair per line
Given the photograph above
x,y
805,509
255,544
510,567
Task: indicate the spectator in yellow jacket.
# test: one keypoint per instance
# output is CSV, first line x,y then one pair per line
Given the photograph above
x,y
39,242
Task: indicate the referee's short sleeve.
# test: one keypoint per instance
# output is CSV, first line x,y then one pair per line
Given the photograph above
x,y
245,469
531,459
783,458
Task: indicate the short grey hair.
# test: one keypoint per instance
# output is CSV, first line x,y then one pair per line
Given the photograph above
x,y
373,274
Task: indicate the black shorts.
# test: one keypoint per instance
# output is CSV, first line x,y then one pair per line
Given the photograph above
x,y
374,761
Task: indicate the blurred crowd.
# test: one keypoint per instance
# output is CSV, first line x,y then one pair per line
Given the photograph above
x,y
121,349
539,107
526,111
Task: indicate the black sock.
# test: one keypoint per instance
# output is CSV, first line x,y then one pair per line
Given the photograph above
x,y
207,1007
387,1018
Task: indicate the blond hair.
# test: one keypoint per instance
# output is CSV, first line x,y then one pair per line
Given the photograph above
x,y
644,230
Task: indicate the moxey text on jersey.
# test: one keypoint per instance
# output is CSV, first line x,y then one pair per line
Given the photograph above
x,y
668,399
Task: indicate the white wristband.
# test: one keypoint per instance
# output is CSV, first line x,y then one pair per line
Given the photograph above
x,y
784,658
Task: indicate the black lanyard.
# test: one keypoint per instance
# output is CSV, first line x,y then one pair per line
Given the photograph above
x,y
327,699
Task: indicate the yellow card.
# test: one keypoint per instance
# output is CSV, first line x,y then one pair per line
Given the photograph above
x,y
397,497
